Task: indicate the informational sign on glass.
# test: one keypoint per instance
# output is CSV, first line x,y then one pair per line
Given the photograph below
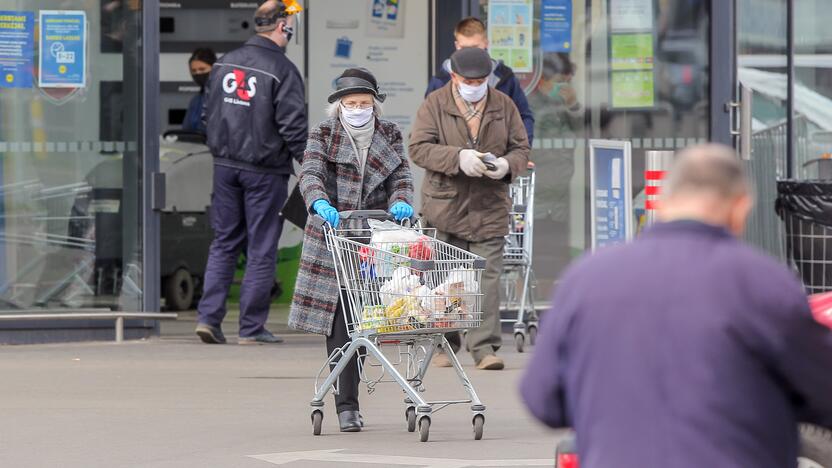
x,y
63,49
631,15
611,203
17,39
632,54
556,25
510,32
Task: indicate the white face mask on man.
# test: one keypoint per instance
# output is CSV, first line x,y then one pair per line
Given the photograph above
x,y
357,117
473,93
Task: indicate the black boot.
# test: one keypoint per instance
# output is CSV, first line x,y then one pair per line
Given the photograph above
x,y
350,421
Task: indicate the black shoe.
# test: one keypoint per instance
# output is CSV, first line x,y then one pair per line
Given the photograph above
x,y
263,338
210,334
350,421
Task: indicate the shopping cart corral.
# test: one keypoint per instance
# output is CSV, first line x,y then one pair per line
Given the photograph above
x,y
400,287
517,278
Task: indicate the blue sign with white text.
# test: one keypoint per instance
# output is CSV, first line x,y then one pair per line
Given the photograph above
x,y
17,49
556,25
63,49
610,188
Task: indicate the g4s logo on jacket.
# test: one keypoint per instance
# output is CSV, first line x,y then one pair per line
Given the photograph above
x,y
235,82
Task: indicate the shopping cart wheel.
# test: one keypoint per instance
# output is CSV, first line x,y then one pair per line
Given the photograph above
x,y
519,342
532,334
317,421
479,422
410,415
424,428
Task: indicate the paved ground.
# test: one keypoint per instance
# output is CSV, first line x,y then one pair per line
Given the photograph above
x,y
172,402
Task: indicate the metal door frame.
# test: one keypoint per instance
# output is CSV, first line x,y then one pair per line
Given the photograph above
x,y
152,183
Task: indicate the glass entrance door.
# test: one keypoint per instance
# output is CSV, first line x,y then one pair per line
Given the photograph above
x,y
70,167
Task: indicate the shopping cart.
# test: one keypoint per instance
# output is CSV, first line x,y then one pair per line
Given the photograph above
x,y
407,294
517,276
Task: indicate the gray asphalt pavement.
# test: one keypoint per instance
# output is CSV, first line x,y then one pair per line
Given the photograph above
x,y
173,402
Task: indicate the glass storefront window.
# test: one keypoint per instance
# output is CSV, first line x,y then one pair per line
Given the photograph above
x,y
634,70
812,90
762,72
70,166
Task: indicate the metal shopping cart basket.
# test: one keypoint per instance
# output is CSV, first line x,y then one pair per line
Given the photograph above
x,y
401,287
806,210
517,277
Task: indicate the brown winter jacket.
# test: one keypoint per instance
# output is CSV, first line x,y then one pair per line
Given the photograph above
x,y
474,209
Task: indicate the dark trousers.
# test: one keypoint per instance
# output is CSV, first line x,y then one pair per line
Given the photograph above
x,y
244,214
347,398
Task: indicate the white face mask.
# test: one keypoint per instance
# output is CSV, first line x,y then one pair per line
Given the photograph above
x,y
473,93
357,117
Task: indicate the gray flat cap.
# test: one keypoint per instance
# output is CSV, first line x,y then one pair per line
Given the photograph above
x,y
471,63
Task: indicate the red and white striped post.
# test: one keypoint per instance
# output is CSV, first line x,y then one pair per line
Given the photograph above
x,y
658,163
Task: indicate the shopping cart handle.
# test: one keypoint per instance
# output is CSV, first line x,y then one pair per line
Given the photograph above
x,y
365,214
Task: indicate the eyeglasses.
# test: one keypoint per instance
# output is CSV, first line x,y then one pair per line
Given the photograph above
x,y
356,106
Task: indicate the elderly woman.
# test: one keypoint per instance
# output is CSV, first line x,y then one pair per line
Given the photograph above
x,y
353,161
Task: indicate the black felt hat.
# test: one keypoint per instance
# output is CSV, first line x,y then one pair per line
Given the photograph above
x,y
471,62
354,81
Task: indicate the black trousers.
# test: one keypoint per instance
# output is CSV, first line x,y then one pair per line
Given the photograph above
x,y
347,398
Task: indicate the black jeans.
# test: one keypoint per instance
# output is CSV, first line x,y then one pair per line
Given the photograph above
x,y
347,398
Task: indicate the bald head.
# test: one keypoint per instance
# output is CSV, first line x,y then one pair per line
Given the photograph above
x,y
272,21
707,183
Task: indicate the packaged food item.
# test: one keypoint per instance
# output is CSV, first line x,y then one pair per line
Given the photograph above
x,y
398,313
401,282
421,249
372,317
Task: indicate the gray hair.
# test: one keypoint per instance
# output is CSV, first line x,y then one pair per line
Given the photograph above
x,y
707,169
334,110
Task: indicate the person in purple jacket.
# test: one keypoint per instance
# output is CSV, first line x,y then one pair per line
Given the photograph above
x,y
684,348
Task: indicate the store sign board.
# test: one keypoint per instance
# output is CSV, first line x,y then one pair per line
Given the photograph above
x,y
611,201
63,49
17,39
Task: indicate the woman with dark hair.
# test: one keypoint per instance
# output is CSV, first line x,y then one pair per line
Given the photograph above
x,y
200,64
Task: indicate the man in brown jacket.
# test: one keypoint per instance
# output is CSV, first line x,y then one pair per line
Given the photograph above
x,y
458,132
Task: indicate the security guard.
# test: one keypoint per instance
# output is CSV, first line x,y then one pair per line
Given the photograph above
x,y
256,121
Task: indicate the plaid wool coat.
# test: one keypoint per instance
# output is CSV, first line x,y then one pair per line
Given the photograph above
x,y
331,172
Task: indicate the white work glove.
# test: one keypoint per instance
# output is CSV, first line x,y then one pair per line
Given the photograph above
x,y
471,164
500,171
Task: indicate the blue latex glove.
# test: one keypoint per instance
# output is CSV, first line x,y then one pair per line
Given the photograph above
x,y
401,210
327,212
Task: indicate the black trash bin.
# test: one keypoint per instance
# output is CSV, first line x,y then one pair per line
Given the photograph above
x,y
805,206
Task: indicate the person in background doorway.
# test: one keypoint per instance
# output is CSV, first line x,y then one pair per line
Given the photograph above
x,y
256,119
471,32
559,117
684,348
354,161
200,64
454,130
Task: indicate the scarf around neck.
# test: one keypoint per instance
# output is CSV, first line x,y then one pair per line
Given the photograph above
x,y
472,113
361,138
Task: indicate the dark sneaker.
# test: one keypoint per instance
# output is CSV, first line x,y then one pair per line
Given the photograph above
x,y
264,338
210,334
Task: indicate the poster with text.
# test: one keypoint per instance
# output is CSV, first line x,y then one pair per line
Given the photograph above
x,y
63,48
17,49
633,89
556,25
631,51
386,18
343,35
631,15
511,32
